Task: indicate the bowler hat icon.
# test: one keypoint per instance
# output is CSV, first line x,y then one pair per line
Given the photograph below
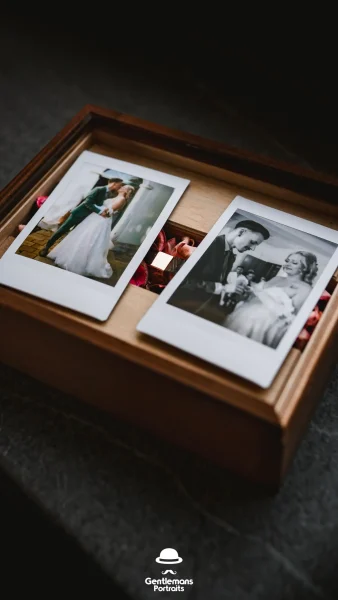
x,y
169,556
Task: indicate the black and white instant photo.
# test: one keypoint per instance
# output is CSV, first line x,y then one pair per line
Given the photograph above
x,y
245,294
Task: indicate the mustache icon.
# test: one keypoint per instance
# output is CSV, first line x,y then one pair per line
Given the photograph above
x,y
169,571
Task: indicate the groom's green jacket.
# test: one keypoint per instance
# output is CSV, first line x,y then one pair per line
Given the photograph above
x,y
96,197
91,203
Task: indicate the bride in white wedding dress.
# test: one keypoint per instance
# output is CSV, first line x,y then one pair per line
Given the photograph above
x,y
267,314
85,249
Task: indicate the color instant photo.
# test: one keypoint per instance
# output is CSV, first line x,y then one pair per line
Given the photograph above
x,y
84,244
242,298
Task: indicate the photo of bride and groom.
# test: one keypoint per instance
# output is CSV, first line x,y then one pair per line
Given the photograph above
x,y
96,226
254,277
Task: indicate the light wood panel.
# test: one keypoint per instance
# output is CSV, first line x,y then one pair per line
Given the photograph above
x,y
230,437
118,335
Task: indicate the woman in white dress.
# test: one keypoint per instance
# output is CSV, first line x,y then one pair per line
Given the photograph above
x,y
85,249
267,314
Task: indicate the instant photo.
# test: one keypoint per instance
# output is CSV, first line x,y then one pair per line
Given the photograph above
x,y
246,292
85,243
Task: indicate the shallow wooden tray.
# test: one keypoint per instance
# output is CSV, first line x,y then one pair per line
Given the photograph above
x,y
185,400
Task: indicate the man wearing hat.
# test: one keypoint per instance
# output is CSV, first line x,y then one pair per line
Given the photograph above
x,y
200,292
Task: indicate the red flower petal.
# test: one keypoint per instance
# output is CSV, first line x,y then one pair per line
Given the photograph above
x,y
160,241
169,247
40,200
325,296
140,277
313,318
302,339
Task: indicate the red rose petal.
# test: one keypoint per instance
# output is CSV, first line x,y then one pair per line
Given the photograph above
x,y
302,339
313,318
160,241
169,247
140,277
40,200
325,297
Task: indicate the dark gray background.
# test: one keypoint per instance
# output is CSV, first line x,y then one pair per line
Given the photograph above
x,y
116,491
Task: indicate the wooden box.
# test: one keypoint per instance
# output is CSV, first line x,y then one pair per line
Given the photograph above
x,y
251,431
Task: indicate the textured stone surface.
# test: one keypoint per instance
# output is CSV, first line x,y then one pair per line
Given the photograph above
x,y
125,496
120,492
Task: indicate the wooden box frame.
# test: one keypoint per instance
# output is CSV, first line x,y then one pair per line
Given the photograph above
x,y
182,399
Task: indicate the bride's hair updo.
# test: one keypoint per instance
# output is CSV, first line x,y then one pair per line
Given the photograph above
x,y
309,265
129,188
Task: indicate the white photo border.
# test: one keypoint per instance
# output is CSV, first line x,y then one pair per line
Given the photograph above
x,y
76,292
216,344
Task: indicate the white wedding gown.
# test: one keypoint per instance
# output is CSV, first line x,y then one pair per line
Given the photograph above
x,y
84,250
264,318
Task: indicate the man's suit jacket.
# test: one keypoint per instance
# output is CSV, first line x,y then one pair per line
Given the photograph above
x,y
95,198
92,201
213,267
197,289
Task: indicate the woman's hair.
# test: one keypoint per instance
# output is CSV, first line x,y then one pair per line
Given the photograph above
x,y
128,188
309,265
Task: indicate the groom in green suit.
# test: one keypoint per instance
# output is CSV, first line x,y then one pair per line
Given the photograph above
x,y
92,203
